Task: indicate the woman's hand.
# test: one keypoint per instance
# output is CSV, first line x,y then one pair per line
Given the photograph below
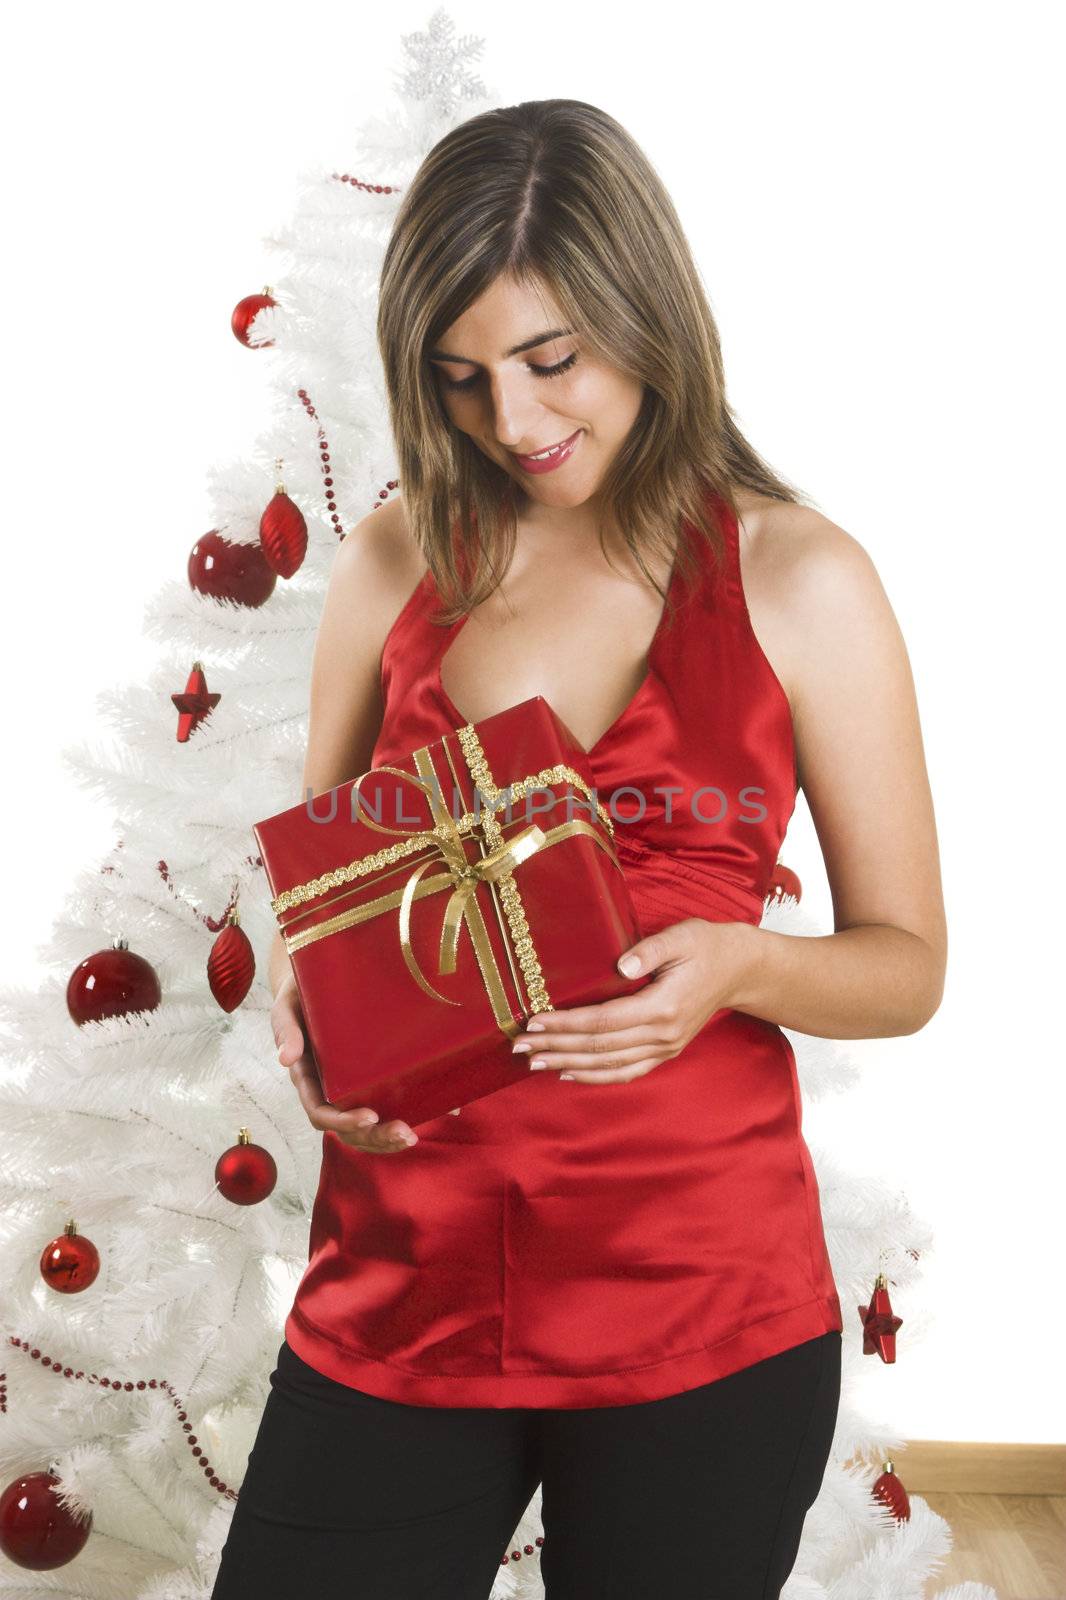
x,y
356,1127
699,969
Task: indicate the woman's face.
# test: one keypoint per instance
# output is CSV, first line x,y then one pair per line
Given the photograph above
x,y
512,377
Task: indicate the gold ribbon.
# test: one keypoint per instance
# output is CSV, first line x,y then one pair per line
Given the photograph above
x,y
464,874
461,876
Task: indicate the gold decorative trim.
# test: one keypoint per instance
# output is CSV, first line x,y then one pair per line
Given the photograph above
x,y
513,909
300,893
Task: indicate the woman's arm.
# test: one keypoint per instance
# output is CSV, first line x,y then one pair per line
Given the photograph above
x,y
819,606
822,617
374,571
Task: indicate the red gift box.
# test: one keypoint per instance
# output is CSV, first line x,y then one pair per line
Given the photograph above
x,y
428,910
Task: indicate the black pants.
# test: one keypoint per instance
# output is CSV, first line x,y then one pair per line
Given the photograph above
x,y
700,1496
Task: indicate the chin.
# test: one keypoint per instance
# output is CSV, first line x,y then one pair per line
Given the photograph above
x,y
567,498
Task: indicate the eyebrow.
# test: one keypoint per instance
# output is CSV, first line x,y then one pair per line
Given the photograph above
x,y
516,350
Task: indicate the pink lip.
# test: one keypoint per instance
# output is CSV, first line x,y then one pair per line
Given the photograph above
x,y
528,464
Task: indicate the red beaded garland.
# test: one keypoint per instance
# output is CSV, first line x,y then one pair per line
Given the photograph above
x,y
195,1448
212,924
323,450
141,1383
367,188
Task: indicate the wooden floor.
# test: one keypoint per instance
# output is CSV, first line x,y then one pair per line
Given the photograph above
x,y
1015,1543
1006,1505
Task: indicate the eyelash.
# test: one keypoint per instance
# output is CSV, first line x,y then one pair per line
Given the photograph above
x,y
542,372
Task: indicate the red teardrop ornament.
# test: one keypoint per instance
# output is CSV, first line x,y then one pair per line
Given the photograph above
x,y
891,1493
283,534
231,965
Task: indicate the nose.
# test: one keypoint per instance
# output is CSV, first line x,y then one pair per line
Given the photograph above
x,y
514,410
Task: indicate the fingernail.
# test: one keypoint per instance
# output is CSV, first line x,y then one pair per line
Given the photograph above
x,y
566,1077
408,1138
629,965
368,1121
536,1064
535,1027
520,1045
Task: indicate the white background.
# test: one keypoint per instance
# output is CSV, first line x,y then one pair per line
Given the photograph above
x,y
871,196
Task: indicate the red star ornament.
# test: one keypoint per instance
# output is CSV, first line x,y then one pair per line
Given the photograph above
x,y
195,703
879,1324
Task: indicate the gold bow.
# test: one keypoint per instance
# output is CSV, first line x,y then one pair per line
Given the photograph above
x,y
447,840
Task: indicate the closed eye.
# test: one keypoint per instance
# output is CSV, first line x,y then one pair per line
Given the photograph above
x,y
541,372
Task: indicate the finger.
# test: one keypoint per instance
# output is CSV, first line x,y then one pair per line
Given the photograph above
x,y
290,1041
639,1069
362,1126
600,1065
376,1141
305,1077
532,1044
358,1126
607,1016
669,944
375,1146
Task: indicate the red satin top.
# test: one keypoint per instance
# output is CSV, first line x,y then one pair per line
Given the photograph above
x,y
580,1244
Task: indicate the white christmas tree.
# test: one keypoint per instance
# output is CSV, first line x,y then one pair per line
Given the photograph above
x,y
141,1393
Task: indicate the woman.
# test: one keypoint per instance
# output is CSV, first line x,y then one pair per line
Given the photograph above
x,y
609,1279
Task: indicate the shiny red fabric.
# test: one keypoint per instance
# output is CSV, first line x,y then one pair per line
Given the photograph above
x,y
577,1244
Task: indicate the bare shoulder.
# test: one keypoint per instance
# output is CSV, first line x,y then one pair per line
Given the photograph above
x,y
812,590
795,552
375,569
379,563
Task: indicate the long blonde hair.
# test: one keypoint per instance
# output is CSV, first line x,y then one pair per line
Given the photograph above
x,y
557,193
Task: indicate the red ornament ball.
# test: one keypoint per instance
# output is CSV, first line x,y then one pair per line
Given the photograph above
x,y
36,1529
112,983
231,965
245,313
70,1262
227,571
245,1173
283,534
